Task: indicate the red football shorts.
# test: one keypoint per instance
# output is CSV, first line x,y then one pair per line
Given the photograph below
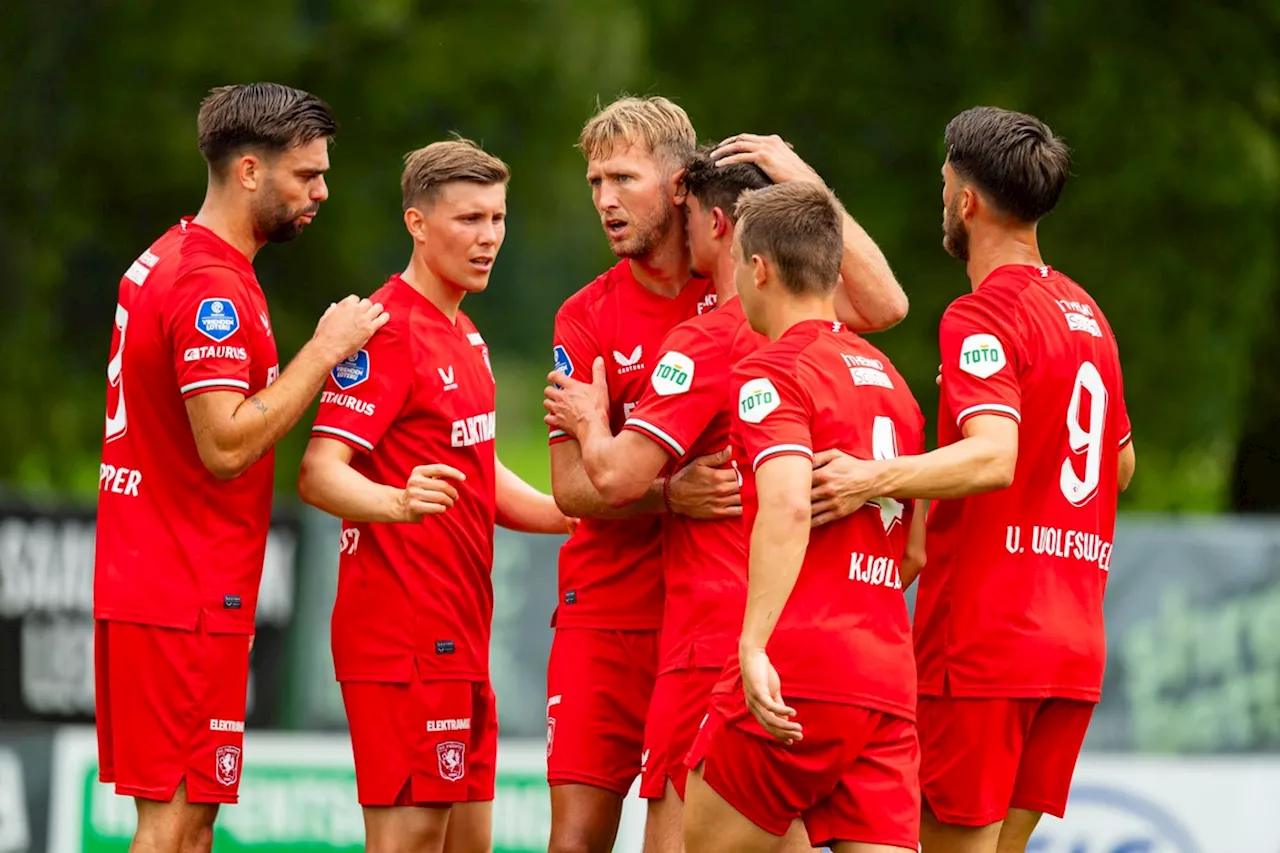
x,y
425,743
982,757
680,701
170,707
599,683
853,777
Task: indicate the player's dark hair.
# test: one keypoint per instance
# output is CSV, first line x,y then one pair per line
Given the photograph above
x,y
720,186
428,169
265,117
800,227
1013,158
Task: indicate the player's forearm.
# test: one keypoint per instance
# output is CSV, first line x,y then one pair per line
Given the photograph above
x,y
915,556
523,508
618,483
335,487
259,422
971,466
870,297
578,498
779,539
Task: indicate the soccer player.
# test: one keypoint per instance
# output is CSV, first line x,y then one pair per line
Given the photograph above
x,y
683,414
195,403
403,450
826,623
1008,626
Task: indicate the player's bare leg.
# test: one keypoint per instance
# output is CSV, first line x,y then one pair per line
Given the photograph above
x,y
939,837
1016,831
861,847
584,819
711,825
405,829
470,828
174,827
663,825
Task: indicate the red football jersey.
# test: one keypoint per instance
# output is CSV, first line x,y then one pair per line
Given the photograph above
x,y
415,597
844,634
686,409
175,543
1010,603
610,569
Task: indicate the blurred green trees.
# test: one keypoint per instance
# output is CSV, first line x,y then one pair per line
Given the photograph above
x,y
1173,112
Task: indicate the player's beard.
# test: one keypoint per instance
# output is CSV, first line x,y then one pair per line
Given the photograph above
x,y
273,219
955,237
647,234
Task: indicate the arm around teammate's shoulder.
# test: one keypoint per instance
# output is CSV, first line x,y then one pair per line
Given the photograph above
x,y
232,432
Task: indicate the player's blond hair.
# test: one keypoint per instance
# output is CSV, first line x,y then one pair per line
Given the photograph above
x,y
654,121
428,169
800,227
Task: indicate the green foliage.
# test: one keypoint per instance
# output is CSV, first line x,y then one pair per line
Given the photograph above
x,y
1173,112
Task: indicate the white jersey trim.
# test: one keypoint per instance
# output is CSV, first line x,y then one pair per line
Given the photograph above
x,y
211,383
342,433
666,439
998,408
780,448
558,433
1128,436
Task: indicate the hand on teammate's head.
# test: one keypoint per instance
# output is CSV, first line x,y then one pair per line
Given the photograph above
x,y
771,153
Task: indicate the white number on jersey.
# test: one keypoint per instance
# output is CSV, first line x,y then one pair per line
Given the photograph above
x,y
1080,490
117,421
884,445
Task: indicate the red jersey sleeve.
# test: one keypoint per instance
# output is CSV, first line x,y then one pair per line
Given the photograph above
x,y
364,394
772,415
574,349
980,362
686,390
206,319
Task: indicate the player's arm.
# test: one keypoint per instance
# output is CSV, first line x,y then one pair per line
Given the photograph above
x,y
523,508
870,298
914,556
327,482
232,432
1127,462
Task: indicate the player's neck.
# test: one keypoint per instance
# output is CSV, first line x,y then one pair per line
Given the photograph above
x,y
665,270
237,231
722,278
988,251
444,296
797,309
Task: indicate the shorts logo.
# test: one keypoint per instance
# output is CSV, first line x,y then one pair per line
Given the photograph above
x,y
217,319
227,765
351,371
551,735
451,756
982,356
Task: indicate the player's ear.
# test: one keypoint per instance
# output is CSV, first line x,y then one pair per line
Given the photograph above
x,y
969,200
720,225
416,224
759,271
678,191
249,171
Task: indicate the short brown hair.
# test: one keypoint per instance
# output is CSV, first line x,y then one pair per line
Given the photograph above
x,y
428,169
1014,158
799,226
655,121
720,186
266,117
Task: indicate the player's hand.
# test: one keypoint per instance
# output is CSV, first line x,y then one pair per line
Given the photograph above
x,y
571,524
706,489
347,326
570,403
841,485
938,380
428,492
772,154
763,689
